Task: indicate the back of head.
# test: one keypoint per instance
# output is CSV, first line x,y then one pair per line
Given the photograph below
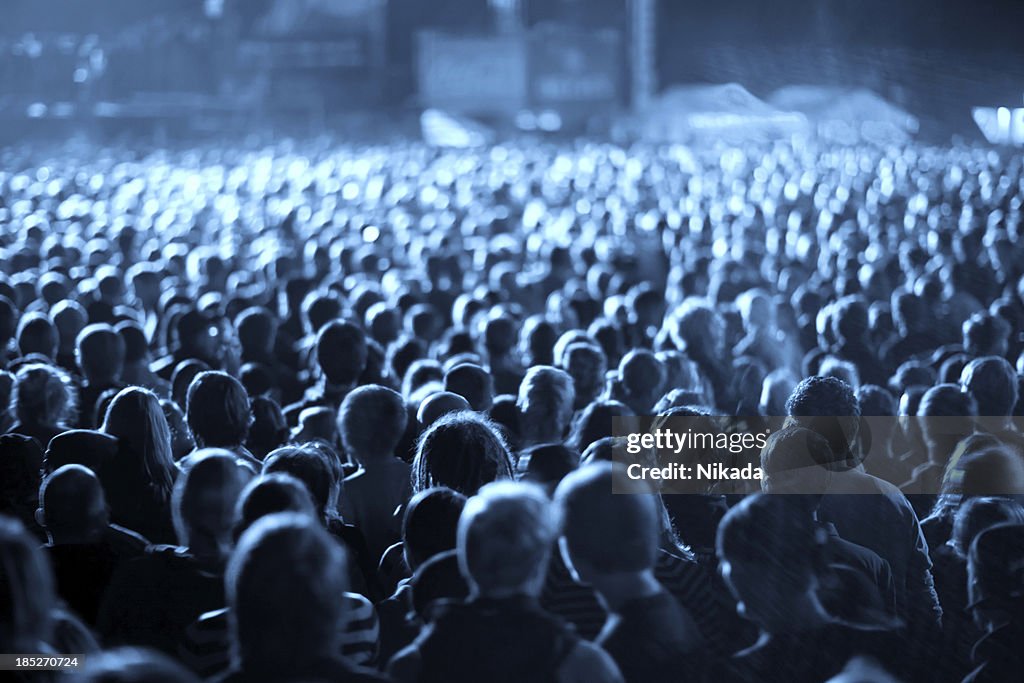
x,y
133,665
341,352
269,494
985,335
876,401
643,375
100,352
36,334
68,319
308,465
548,464
473,383
437,405
993,384
204,501
430,523
136,418
546,397
286,569
605,532
462,451
136,347
499,336
217,410
26,590
72,504
587,365
505,537
829,406
256,330
42,395
372,420
977,514
796,460
995,569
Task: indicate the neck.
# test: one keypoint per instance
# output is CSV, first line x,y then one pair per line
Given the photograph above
x,y
75,537
620,588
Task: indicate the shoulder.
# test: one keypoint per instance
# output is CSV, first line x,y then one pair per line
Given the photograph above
x,y
587,663
405,666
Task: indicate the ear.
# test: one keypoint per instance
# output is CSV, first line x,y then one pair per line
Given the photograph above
x,y
40,517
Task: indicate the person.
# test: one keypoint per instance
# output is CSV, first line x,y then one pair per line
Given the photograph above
x,y
611,542
884,522
504,542
285,619
31,619
546,398
153,598
770,556
587,365
642,380
69,319
37,337
207,649
462,451
21,461
84,548
341,356
137,359
43,402
217,412
100,353
372,421
473,383
995,579
438,404
140,478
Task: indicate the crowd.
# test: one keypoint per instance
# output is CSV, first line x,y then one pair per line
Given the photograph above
x,y
333,413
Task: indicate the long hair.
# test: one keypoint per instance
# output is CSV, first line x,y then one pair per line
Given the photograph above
x,y
136,419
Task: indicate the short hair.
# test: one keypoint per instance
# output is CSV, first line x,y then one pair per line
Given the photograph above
x,y
985,334
341,352
993,384
770,532
310,466
611,532
37,334
547,464
845,370
100,352
473,383
462,451
977,514
642,373
505,537
947,400
286,569
546,397
71,500
136,347
372,420
587,365
876,401
181,379
437,405
205,495
596,421
995,564
430,523
828,406
42,393
256,328
268,494
217,410
499,336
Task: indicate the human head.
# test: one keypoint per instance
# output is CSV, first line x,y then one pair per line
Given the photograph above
x,y
796,460
995,570
136,418
828,406
504,541
643,378
769,552
371,421
257,330
310,466
993,384
136,347
341,352
72,507
37,334
430,523
42,395
286,570
268,494
181,378
26,590
99,350
547,464
203,505
986,335
977,514
69,319
587,365
941,405
217,410
473,383
546,398
606,533
462,451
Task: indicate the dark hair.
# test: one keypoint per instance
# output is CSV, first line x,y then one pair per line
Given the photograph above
x,y
462,451
430,523
341,352
308,465
473,383
271,493
372,420
217,410
993,384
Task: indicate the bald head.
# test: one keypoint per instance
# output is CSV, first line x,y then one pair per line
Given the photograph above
x,y
438,405
72,507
